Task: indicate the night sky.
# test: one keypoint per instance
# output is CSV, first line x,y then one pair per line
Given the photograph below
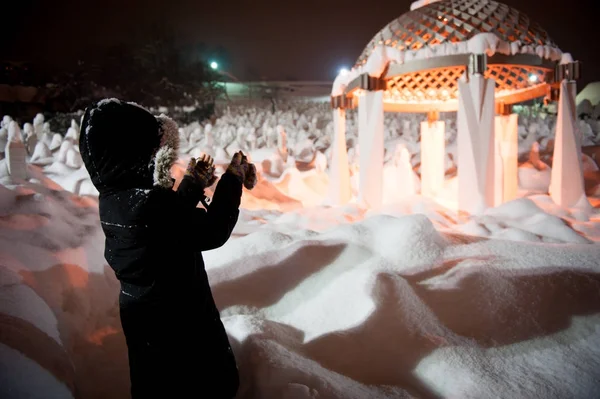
x,y
306,40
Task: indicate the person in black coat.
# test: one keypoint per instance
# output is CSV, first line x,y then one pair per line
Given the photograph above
x,y
177,345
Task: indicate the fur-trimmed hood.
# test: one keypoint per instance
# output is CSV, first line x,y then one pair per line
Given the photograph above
x,y
124,146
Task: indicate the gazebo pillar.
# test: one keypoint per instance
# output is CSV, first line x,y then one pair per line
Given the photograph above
x,y
433,155
567,185
370,141
507,154
476,144
339,172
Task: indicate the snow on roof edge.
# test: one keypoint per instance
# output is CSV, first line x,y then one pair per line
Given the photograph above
x,y
421,3
482,43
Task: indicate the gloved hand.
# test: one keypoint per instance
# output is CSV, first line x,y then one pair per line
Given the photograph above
x,y
202,170
243,170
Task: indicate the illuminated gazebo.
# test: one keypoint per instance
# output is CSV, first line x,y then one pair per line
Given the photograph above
x,y
476,57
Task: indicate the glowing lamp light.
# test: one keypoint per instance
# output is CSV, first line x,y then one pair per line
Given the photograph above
x,y
533,78
343,71
214,65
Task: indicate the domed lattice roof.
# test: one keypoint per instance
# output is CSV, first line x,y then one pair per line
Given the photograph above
x,y
456,21
428,47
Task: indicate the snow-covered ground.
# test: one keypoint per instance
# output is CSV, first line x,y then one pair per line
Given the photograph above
x,y
417,300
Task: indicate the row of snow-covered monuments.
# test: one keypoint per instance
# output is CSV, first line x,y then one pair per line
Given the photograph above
x,y
480,80
36,143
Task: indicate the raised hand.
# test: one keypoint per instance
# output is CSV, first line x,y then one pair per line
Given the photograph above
x,y
243,170
202,170
251,178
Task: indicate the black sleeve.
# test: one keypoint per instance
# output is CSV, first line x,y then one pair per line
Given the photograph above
x,y
209,229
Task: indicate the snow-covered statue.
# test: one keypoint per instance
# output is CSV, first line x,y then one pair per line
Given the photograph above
x,y
304,151
585,108
183,140
65,146
73,159
270,137
282,143
26,131
73,132
534,157
16,154
406,175
251,139
38,125
29,138
41,155
14,132
3,139
195,137
6,120
596,112
56,141
208,136
320,162
240,137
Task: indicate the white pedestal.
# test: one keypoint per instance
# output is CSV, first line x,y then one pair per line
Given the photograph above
x,y
339,171
475,122
433,157
507,151
370,140
567,186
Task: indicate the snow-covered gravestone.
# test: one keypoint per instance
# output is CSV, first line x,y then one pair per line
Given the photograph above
x,y
340,190
29,138
38,125
41,154
73,132
195,137
16,153
269,137
476,143
6,120
282,143
433,157
208,136
252,139
507,153
73,159
370,140
61,156
3,139
567,186
406,175
56,142
27,131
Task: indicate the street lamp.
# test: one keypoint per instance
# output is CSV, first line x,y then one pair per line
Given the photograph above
x,y
214,65
343,71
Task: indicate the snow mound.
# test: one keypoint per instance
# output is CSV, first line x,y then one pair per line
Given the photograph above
x,y
377,307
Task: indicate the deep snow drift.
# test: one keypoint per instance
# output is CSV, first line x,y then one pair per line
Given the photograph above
x,y
319,302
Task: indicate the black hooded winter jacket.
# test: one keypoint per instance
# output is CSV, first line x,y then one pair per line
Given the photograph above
x,y
154,238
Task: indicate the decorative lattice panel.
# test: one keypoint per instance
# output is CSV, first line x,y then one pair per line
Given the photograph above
x,y
457,21
515,77
441,84
424,86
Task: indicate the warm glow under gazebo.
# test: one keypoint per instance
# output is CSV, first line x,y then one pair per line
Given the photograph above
x,y
476,57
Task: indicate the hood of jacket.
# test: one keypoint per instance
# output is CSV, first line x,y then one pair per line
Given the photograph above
x,y
124,146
